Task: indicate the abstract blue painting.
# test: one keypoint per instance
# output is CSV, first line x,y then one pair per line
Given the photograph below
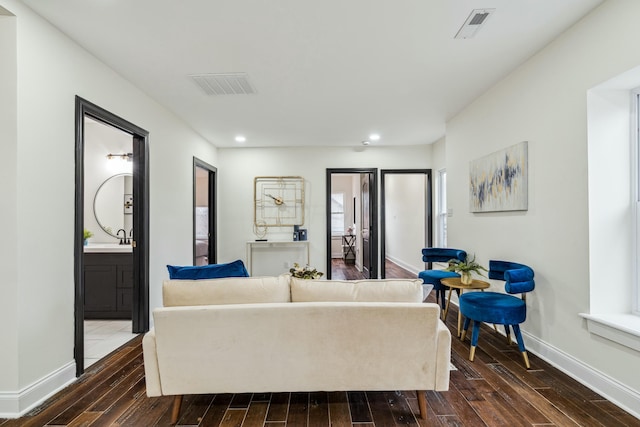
x,y
498,182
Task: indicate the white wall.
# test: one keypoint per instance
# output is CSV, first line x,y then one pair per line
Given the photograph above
x,y
8,202
545,102
241,165
405,214
101,140
51,71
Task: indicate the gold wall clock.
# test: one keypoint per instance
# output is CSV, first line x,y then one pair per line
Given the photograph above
x,y
278,201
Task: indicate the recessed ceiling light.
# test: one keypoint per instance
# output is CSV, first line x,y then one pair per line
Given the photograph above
x,y
240,138
374,137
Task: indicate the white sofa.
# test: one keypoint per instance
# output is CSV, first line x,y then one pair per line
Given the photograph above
x,y
281,334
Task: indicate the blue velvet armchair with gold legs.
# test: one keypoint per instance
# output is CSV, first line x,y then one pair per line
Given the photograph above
x,y
499,308
433,277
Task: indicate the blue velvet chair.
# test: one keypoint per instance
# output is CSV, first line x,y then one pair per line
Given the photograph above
x,y
499,308
433,277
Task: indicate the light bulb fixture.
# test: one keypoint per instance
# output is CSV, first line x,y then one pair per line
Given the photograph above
x,y
124,156
374,137
240,138
366,142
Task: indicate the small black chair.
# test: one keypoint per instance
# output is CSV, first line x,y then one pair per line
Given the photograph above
x,y
499,308
433,277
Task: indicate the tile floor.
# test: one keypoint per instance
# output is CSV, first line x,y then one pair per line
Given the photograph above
x,y
101,337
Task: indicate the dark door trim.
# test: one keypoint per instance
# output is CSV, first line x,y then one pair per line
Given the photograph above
x,y
428,209
140,312
373,195
213,209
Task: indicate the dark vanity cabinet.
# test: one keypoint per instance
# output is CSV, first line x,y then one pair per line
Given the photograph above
x,y
108,285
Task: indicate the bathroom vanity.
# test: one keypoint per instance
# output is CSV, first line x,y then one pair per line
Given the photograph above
x,y
108,281
108,267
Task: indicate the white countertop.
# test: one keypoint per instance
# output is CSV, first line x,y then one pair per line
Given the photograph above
x,y
107,248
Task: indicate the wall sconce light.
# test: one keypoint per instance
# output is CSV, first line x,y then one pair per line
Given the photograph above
x,y
124,156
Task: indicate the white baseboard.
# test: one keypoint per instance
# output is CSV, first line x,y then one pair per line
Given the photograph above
x,y
16,404
404,265
610,388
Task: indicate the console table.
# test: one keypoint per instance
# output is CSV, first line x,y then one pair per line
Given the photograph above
x,y
349,248
271,258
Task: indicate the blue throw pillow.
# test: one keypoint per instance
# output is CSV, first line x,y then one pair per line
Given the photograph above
x,y
211,271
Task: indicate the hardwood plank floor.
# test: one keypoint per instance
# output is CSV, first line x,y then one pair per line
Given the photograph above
x,y
494,390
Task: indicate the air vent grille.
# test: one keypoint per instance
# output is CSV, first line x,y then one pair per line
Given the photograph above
x,y
216,84
476,19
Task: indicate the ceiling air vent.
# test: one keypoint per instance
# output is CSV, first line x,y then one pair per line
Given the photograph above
x,y
473,23
224,83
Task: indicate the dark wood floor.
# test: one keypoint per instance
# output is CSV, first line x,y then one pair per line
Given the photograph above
x,y
342,271
494,390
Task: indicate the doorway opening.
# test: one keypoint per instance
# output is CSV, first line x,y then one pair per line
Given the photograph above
x,y
351,239
204,213
406,220
112,273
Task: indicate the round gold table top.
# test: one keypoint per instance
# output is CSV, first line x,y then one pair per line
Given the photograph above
x,y
455,282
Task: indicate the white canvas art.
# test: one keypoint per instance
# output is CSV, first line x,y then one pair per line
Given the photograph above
x,y
498,182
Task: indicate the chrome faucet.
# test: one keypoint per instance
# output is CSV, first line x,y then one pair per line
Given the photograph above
x,y
123,240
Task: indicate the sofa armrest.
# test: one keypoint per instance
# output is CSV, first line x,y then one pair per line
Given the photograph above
x,y
151,370
443,358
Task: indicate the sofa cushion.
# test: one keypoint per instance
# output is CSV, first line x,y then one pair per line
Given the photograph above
x,y
211,271
231,290
385,290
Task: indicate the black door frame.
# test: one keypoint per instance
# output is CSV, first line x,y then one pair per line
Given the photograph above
x,y
213,208
140,309
428,209
373,211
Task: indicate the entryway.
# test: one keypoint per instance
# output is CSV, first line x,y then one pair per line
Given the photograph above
x,y
352,215
406,224
204,213
119,281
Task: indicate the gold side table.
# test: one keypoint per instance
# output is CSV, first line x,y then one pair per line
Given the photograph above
x,y
455,283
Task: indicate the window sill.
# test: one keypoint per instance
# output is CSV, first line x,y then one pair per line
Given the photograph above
x,y
623,329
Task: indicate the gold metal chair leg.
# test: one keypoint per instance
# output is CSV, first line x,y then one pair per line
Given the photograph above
x,y
526,359
472,352
463,335
446,309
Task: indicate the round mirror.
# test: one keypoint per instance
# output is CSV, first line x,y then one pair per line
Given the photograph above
x,y
113,204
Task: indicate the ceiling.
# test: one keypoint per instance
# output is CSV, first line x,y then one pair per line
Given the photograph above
x,y
325,73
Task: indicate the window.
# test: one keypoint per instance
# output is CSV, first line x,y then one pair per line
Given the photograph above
x,y
614,209
441,200
337,214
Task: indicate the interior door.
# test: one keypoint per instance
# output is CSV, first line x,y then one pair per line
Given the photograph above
x,y
368,177
368,232
204,213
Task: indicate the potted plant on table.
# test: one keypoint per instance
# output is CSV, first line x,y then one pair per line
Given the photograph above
x,y
465,268
305,273
86,236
